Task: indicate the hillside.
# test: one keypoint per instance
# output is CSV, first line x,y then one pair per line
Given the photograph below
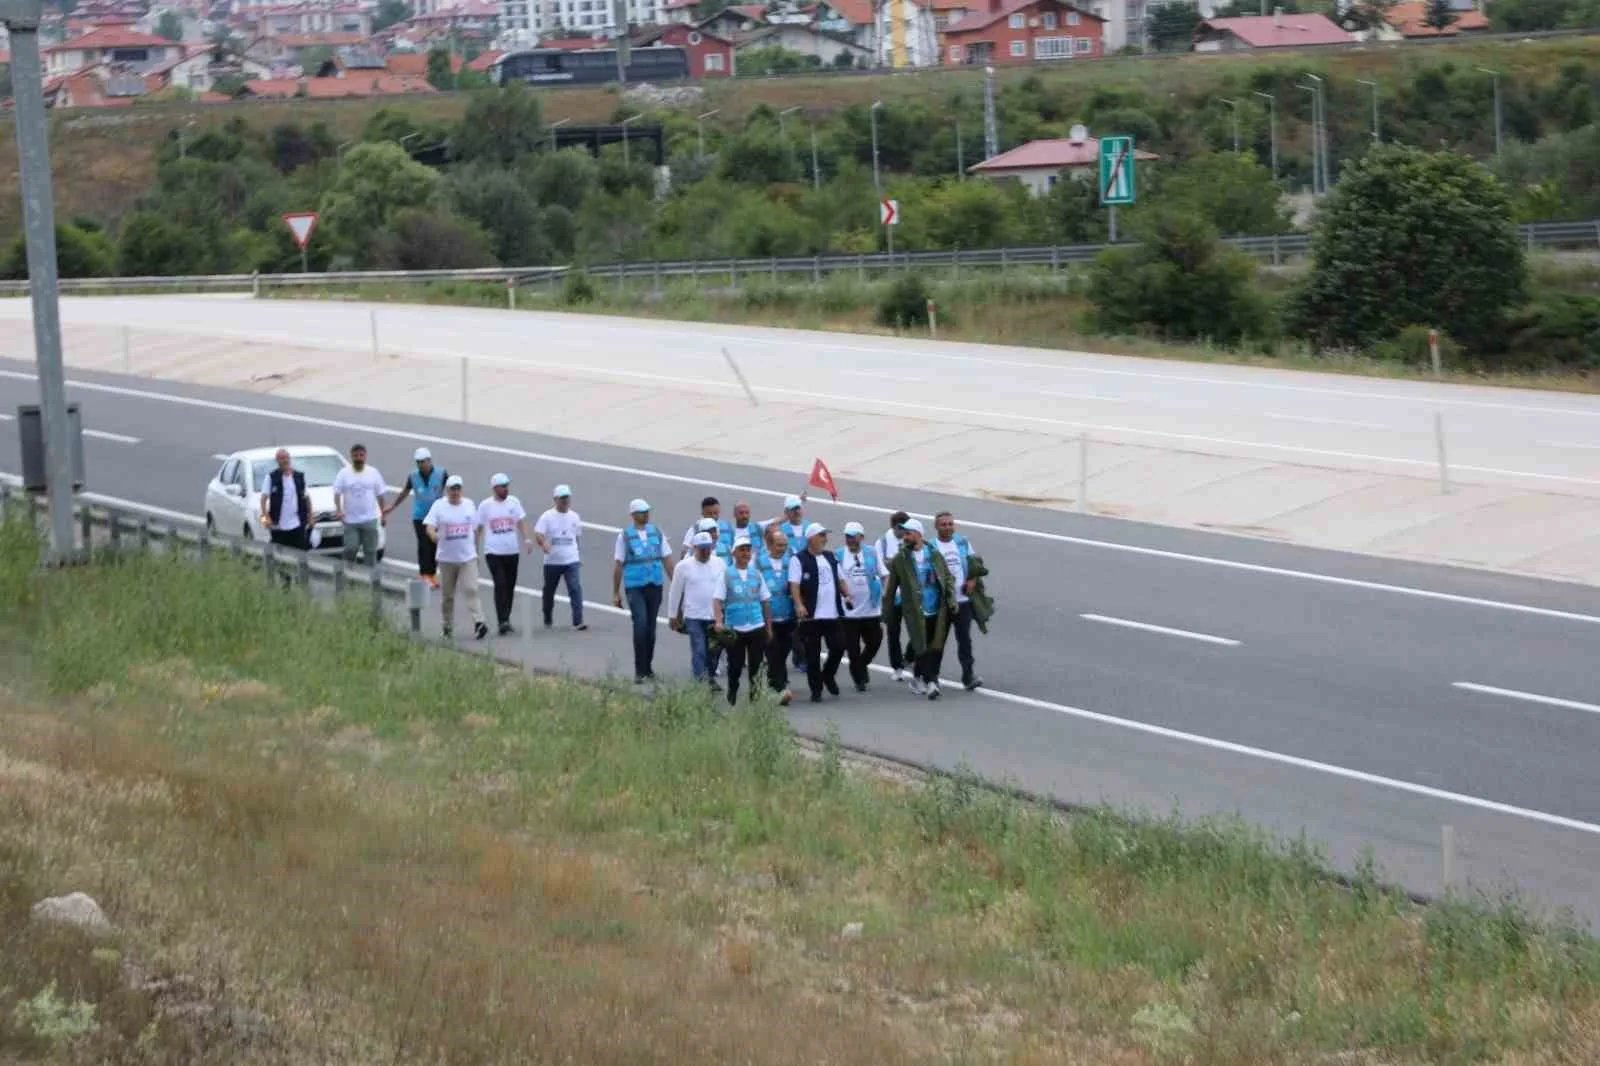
x,y
104,160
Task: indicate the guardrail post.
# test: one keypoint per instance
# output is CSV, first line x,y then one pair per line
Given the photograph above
x,y
1597,234
733,273
5,502
657,274
339,577
511,294
1277,253
304,569
1532,243
255,284
774,268
416,600
694,269
816,270
955,264
116,532
1003,260
377,595
1055,259
86,530
204,543
861,267
269,561
144,534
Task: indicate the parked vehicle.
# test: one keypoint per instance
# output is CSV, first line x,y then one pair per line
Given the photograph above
x,y
233,497
590,66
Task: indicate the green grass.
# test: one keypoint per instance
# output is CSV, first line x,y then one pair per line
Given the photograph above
x,y
405,853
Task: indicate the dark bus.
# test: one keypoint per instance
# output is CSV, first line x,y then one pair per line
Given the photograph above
x,y
592,66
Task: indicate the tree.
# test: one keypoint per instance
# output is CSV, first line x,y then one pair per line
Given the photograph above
x,y
1179,282
79,254
170,26
500,126
969,214
1170,27
152,245
440,76
773,59
1233,192
1439,15
497,200
1411,237
390,12
420,239
375,182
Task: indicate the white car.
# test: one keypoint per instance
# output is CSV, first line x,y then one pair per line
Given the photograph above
x,y
233,498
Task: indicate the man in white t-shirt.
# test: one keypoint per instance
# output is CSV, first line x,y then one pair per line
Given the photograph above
x,y
820,601
888,548
697,584
358,492
503,532
557,532
452,524
863,573
956,548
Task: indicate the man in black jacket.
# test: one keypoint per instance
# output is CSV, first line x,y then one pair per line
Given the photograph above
x,y
287,515
820,598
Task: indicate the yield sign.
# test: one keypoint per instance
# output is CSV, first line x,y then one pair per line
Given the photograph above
x,y
889,212
302,224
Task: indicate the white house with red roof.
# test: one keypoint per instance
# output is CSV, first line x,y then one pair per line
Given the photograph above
x,y
1039,165
1254,32
110,46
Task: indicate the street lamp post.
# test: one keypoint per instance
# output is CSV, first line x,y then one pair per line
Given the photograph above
x,y
1319,142
961,154
783,130
700,130
1499,127
816,170
1272,129
338,152
1234,105
627,159
553,127
872,113
21,18
1377,135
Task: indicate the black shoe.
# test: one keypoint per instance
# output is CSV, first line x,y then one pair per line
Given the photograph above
x,y
641,679
480,630
831,685
505,629
449,634
548,624
582,627
972,683
816,697
861,686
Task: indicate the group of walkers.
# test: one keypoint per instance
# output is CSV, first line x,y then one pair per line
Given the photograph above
x,y
757,597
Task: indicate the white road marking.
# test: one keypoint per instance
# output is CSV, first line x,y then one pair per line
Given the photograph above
x,y
1325,421
1057,538
1145,728
889,375
7,418
1148,628
219,457
1511,693
1567,444
117,437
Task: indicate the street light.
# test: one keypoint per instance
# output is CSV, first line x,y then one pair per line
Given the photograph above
x,y
409,137
339,151
627,160
816,171
1234,104
1499,128
1319,142
700,130
183,147
961,153
783,131
1377,137
872,113
553,126
1272,128
21,18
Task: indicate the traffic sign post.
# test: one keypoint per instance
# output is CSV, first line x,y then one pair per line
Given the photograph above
x,y
1117,186
302,224
889,216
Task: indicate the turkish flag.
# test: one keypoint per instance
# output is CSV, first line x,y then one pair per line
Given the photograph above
x,y
821,479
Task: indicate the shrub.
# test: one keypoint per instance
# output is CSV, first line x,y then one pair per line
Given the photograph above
x,y
1556,329
1410,347
578,289
905,305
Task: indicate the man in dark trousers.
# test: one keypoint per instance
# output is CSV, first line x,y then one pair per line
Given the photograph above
x,y
285,507
820,599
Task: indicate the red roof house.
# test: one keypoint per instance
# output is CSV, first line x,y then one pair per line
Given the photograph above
x,y
1040,164
1022,31
1410,19
1268,31
709,55
113,45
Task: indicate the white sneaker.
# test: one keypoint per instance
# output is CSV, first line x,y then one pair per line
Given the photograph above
x,y
933,690
902,674
916,686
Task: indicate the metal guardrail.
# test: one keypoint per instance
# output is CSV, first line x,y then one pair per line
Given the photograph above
x,y
1271,250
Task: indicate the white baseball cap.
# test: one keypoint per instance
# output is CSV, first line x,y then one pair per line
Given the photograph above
x,y
454,482
911,525
420,454
498,480
791,503
854,529
706,525
562,490
638,506
814,528
742,540
702,540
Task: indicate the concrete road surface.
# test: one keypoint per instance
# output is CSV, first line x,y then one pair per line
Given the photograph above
x,y
1367,702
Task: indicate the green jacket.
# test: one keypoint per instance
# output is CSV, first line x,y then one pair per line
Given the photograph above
x,y
903,579
982,602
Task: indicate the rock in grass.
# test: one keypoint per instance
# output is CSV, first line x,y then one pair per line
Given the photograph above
x,y
75,909
853,931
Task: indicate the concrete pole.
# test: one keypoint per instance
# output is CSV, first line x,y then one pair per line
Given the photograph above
x,y
816,170
21,18
1272,129
1377,136
877,178
991,124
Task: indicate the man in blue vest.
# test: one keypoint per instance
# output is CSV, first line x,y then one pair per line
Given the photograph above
x,y
720,528
643,566
863,572
820,601
888,547
792,523
745,612
425,486
957,551
773,562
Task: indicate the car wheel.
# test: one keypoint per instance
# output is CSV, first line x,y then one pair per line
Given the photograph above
x,y
211,524
248,534
380,554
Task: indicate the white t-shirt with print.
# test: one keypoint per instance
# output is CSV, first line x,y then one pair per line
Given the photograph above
x,y
499,520
857,579
457,524
562,531
827,599
952,558
359,493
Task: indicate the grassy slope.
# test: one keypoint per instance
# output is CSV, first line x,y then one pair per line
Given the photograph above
x,y
411,856
105,159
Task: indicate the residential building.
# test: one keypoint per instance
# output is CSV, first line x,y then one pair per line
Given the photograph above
x,y
415,64
1410,19
709,56
1038,165
1254,32
190,71
827,47
898,33
304,20
1024,31
114,46
734,23
288,50
522,21
679,12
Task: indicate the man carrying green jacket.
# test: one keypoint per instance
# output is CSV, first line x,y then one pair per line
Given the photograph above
x,y
923,578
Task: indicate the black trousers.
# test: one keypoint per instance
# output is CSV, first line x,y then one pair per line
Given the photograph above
x,y
862,639
292,538
891,625
427,550
778,650
928,662
745,655
814,634
929,665
503,571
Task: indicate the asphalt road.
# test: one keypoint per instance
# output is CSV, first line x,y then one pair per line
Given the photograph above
x,y
1496,435
1366,702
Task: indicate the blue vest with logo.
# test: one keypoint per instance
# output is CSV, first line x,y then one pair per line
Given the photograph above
x,y
425,490
925,575
642,563
724,547
741,608
869,559
775,572
796,532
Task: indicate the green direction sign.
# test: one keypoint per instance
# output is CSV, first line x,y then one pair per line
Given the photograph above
x,y
1116,171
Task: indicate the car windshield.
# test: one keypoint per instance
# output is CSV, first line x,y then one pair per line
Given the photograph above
x,y
320,470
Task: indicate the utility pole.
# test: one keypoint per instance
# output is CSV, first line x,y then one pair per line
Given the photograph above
x,y
700,130
1272,128
627,159
21,18
1319,143
816,171
619,15
872,114
553,127
1234,104
783,131
991,127
961,154
1499,126
1377,136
